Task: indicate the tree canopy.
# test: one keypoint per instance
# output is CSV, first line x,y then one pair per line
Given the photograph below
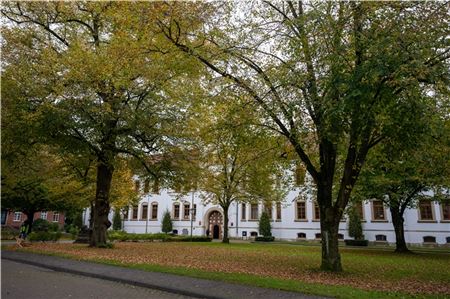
x,y
345,72
101,80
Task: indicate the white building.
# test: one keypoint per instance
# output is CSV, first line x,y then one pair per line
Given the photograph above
x,y
291,220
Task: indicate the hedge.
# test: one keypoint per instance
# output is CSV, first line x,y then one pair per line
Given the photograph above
x,y
356,242
44,236
124,236
265,239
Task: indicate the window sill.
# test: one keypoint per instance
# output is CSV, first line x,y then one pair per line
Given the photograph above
x,y
380,221
445,221
316,220
301,220
426,221
278,220
243,220
252,220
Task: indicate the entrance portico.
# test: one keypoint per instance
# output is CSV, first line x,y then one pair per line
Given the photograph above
x,y
215,224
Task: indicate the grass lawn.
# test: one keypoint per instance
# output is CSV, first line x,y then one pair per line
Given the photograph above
x,y
368,273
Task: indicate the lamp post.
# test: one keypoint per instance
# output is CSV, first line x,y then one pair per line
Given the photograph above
x,y
237,219
148,207
192,212
122,212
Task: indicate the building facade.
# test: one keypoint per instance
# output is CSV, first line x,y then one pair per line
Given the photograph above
x,y
292,219
15,219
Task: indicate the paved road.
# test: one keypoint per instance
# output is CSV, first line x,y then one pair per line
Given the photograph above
x,y
25,281
164,282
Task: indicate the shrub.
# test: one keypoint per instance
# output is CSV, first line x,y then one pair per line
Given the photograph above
x,y
265,239
44,236
356,242
41,225
53,227
9,233
117,220
189,239
106,245
264,225
73,230
117,236
354,225
166,223
124,236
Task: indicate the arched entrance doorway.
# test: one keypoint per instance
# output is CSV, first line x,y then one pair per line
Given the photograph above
x,y
215,222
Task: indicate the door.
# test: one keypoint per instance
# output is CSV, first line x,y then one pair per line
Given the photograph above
x,y
216,232
215,224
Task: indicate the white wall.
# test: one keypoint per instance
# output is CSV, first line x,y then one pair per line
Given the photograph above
x,y
288,227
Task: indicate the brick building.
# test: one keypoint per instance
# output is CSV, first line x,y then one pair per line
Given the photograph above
x,y
15,219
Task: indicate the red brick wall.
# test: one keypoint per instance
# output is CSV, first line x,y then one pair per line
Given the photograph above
x,y
16,224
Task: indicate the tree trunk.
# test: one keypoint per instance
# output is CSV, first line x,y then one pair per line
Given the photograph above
x,y
91,215
398,222
225,238
30,220
329,227
100,222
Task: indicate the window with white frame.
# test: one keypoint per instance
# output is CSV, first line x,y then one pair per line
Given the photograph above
x,y
134,215
300,211
254,211
144,211
278,205
316,211
146,186
243,211
155,187
176,211
55,216
154,211
445,211
137,185
426,210
359,210
44,215
186,211
268,209
378,213
17,216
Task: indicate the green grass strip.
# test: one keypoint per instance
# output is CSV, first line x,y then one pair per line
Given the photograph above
x,y
335,291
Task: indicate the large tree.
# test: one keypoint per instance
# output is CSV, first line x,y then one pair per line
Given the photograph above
x,y
237,161
100,80
342,71
401,172
34,177
40,182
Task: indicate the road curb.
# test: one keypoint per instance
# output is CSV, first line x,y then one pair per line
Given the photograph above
x,y
111,278
171,283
